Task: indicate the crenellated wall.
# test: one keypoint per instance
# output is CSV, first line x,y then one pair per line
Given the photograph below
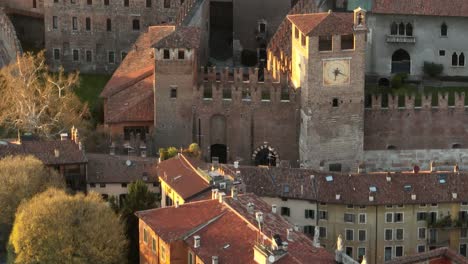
x,y
9,43
236,108
407,123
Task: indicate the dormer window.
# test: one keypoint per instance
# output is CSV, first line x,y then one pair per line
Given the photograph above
x,y
325,43
181,55
166,54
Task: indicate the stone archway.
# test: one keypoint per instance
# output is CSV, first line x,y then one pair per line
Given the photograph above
x,y
401,62
265,155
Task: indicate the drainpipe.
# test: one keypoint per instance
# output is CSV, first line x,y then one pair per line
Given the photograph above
x,y
376,234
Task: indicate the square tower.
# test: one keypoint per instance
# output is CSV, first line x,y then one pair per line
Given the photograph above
x,y
328,65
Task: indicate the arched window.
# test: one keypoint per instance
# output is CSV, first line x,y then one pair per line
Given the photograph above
x,y
454,59
444,30
461,59
409,29
394,29
401,29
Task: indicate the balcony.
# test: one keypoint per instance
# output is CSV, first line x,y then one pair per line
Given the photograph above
x,y
401,39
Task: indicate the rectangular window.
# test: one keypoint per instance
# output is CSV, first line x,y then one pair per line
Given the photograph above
x,y
136,24
388,253
303,40
56,54
432,218
148,3
153,245
109,24
349,218
347,42
145,235
463,250
349,251
173,92
181,54
399,233
362,218
349,234
325,43
388,217
227,93
167,3
285,211
464,232
296,32
126,2
421,248
335,167
88,24
421,216
309,213
441,52
309,230
111,57
398,251
124,185
76,55
102,185
163,253
92,185
54,22
323,232
398,217
323,215
432,235
106,2
388,234
166,54
422,233
362,234
90,2
89,56
191,259
74,23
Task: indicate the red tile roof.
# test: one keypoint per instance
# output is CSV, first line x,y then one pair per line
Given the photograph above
x,y
105,168
183,37
444,252
220,224
180,173
69,152
321,24
422,7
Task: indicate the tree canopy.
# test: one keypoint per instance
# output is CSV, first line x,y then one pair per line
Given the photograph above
x,y
22,177
54,227
32,99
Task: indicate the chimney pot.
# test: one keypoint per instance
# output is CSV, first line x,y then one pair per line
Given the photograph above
x,y
413,197
285,246
288,234
338,196
274,208
56,153
214,259
196,241
221,196
234,192
371,198
63,136
250,208
454,195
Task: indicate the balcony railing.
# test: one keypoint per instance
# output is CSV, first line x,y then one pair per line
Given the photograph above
x,y
401,39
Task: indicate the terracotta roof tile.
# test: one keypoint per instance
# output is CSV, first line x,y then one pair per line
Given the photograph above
x,y
69,152
422,7
180,173
443,252
321,24
183,37
105,168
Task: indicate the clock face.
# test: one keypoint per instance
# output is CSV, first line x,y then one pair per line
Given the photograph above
x,y
336,72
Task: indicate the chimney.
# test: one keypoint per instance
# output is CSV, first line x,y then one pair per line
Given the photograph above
x,y
57,153
214,194
234,192
196,241
274,208
389,178
454,195
214,259
296,228
413,197
63,136
371,198
285,246
288,234
259,217
250,208
432,166
338,196
221,196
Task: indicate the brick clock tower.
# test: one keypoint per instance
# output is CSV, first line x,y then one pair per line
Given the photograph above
x,y
328,65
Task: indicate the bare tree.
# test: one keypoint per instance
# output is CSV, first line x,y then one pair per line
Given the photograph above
x,y
32,99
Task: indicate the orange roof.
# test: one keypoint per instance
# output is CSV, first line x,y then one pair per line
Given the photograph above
x,y
138,64
321,24
422,7
181,175
229,231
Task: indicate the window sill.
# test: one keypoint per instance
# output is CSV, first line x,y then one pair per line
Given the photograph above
x,y
457,67
227,99
325,51
285,101
266,100
208,99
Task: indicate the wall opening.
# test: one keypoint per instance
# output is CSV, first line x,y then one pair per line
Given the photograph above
x,y
265,156
401,62
221,28
220,151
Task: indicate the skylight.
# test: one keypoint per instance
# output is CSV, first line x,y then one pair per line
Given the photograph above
x,y
329,178
407,187
373,189
442,178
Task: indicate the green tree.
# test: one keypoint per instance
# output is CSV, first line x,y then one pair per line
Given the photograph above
x,y
172,152
22,177
34,100
54,227
194,150
138,198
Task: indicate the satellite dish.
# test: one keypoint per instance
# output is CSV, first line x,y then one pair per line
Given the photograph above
x,y
128,163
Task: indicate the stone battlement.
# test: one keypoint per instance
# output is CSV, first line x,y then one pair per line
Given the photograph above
x,y
10,46
411,102
243,84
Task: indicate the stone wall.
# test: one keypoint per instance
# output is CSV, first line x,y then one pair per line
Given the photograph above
x,y
24,7
98,40
9,43
416,124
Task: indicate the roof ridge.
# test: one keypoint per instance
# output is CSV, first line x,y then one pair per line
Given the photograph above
x,y
200,227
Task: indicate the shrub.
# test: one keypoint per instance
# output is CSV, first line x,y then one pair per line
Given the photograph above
x,y
433,69
398,80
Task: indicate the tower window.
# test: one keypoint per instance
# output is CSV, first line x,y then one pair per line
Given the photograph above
x,y
74,23
54,22
88,24
166,54
106,2
335,102
34,4
90,2
167,3
173,92
76,55
181,55
109,24
136,24
56,54
111,57
325,43
148,3
126,2
89,56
